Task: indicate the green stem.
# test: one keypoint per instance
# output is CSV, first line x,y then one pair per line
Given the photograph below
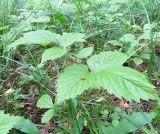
x,y
151,43
73,114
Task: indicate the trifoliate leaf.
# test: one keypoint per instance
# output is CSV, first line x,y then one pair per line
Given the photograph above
x,y
45,102
132,123
105,59
72,82
52,54
48,116
125,82
85,52
68,39
42,37
106,72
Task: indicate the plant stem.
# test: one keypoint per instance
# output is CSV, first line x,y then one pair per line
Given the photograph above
x,y
151,43
73,114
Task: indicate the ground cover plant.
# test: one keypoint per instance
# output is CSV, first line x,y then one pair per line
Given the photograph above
x,y
79,66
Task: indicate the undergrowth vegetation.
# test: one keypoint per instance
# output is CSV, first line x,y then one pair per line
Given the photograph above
x,y
80,66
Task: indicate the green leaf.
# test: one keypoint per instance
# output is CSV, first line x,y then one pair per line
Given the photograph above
x,y
148,27
18,42
137,60
85,52
42,19
128,38
125,82
68,39
48,116
156,36
72,82
105,59
146,35
133,123
26,126
115,43
145,56
146,131
52,54
132,48
118,1
106,72
104,113
6,122
45,102
42,37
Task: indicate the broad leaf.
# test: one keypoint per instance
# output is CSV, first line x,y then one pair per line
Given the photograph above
x,y
133,123
106,72
6,122
72,82
128,38
26,126
45,102
68,39
18,42
85,52
42,37
52,54
125,82
105,59
48,116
